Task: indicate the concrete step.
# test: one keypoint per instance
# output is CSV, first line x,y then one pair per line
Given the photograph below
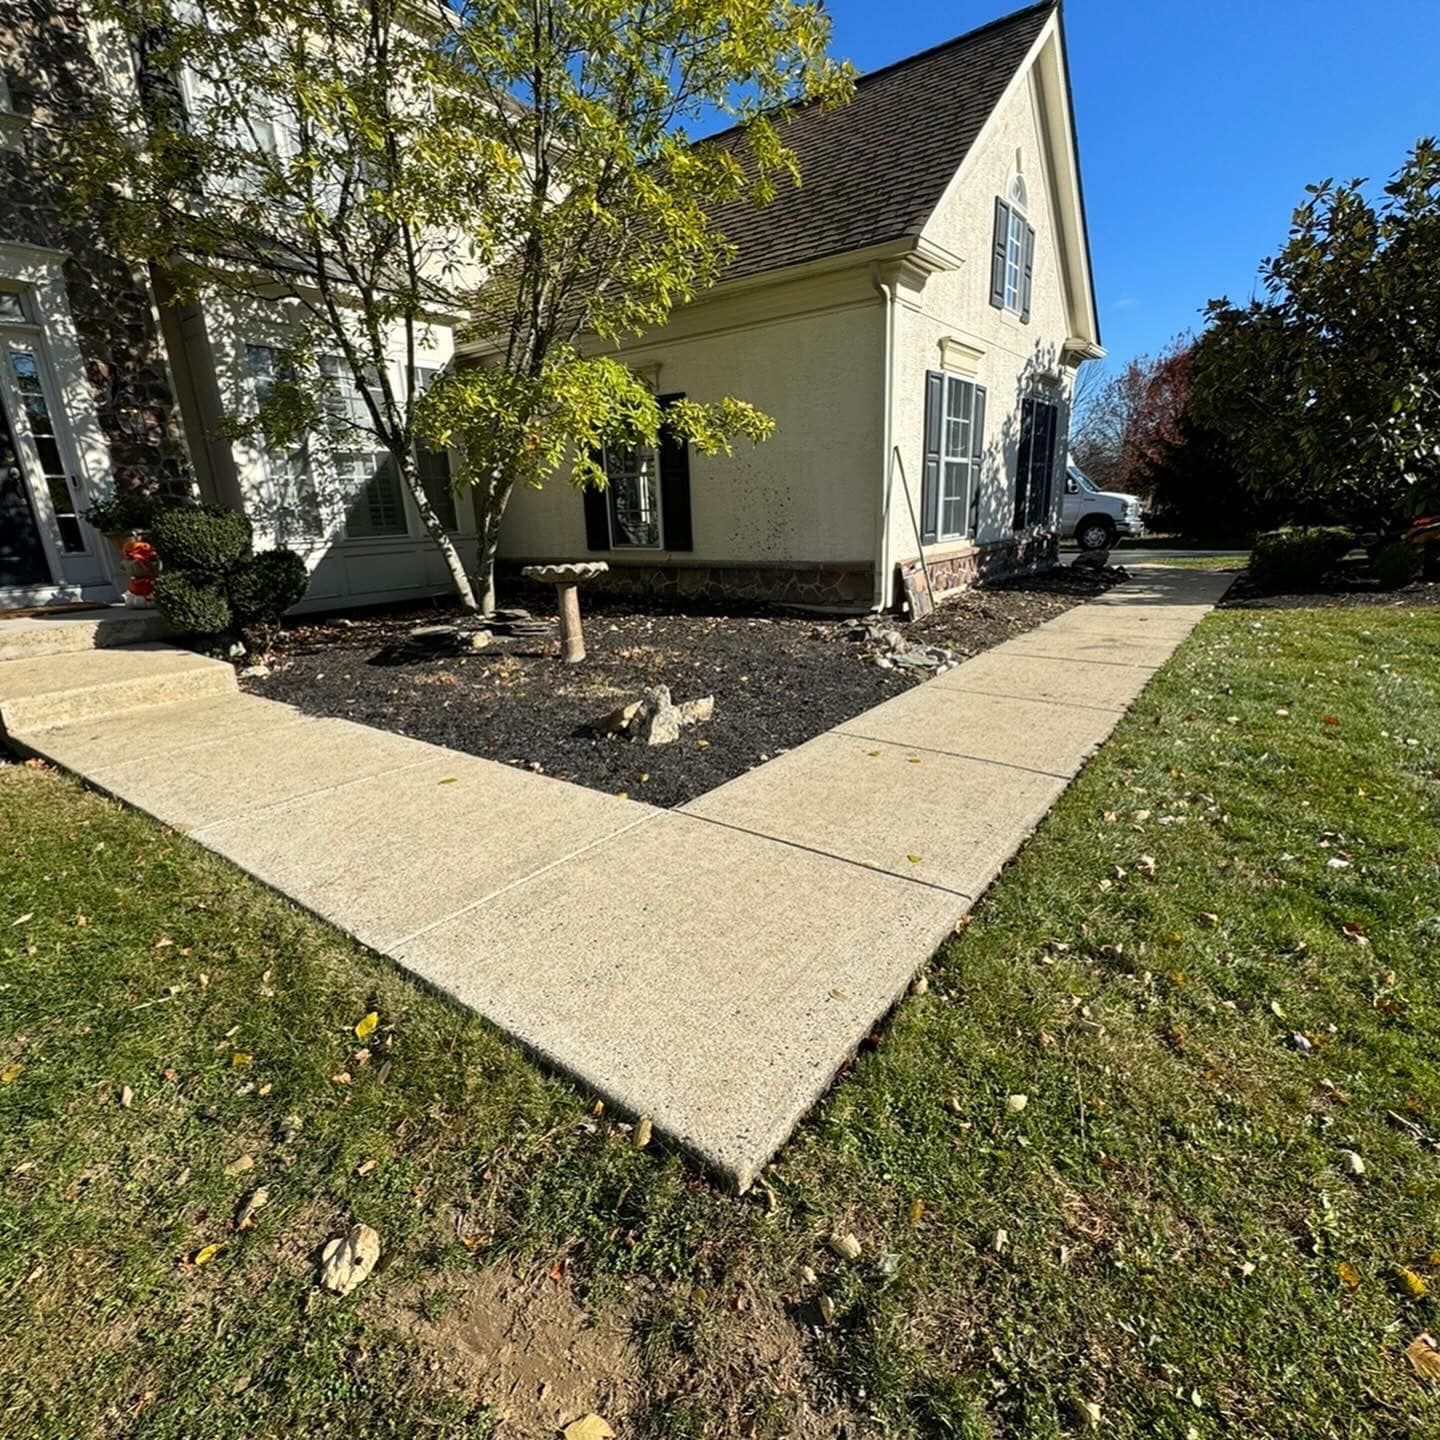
x,y
45,691
58,634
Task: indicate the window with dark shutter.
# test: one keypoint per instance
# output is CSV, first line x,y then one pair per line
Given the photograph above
x,y
930,469
1029,274
646,501
977,458
1035,461
674,484
999,254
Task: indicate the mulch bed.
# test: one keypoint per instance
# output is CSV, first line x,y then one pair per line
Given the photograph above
x,y
1348,587
778,680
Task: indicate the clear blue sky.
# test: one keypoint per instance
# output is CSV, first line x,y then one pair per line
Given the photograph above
x,y
1201,122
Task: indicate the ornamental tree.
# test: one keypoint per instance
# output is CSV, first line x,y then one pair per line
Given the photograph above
x,y
1328,388
518,171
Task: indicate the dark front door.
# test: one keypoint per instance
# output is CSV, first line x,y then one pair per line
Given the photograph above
x,y
22,556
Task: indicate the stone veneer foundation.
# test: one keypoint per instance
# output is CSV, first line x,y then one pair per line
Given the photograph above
x,y
844,588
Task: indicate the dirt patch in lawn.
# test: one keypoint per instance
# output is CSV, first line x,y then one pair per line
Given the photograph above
x,y
778,680
528,1349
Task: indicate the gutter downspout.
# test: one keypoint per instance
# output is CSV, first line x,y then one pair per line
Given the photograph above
x,y
881,594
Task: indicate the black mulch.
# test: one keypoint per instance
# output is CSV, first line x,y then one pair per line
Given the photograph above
x,y
1346,587
777,680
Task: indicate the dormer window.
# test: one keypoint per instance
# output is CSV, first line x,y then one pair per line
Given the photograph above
x,y
1012,262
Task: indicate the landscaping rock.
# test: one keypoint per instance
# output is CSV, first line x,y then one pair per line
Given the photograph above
x,y
655,719
349,1259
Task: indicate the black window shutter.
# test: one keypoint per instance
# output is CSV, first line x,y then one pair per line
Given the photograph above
x,y
1022,462
930,472
997,257
674,485
977,459
1040,495
597,511
1029,273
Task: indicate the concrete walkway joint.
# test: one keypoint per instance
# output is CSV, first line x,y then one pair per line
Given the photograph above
x,y
711,966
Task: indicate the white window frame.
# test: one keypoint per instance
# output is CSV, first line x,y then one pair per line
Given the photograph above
x,y
1015,260
957,424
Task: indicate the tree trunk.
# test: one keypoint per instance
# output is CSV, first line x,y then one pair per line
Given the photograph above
x,y
410,471
492,513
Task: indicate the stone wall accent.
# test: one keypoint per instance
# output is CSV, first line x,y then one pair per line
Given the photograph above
x,y
52,75
819,587
1014,556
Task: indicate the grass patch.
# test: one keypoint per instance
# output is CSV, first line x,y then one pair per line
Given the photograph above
x,y
1204,562
1184,1244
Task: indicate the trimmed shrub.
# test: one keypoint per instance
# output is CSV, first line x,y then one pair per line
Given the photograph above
x,y
1298,556
1397,564
266,585
205,540
193,607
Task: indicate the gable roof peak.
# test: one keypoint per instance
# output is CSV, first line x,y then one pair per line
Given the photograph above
x,y
873,170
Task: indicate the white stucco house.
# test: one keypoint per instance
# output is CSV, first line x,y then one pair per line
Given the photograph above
x,y
912,316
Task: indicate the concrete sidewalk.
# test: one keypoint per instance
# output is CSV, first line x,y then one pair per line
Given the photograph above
x,y
712,966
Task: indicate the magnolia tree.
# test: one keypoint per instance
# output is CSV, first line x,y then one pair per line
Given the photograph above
x,y
1328,389
517,172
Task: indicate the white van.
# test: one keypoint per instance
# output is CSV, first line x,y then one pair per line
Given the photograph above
x,y
1095,517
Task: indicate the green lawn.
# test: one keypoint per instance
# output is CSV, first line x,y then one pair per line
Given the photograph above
x,y
1205,562
1184,1244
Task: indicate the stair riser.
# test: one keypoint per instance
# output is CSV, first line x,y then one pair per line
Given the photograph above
x,y
30,714
62,637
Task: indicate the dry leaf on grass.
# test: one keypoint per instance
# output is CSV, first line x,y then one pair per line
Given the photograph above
x,y
365,1026
1349,1275
207,1253
1424,1357
1411,1283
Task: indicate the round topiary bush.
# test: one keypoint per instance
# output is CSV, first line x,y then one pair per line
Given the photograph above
x,y
1397,564
266,585
1298,557
193,607
206,540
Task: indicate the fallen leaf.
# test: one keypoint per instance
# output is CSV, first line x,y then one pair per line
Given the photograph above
x,y
1411,1283
348,1259
641,1138
448,780
82,920
917,1211
11,1073
847,1247
1424,1357
365,1026
127,1097
240,1059
365,1167
207,1253
588,1427
826,1307
343,1078
1330,720
1086,1413
1207,920
241,1165
1014,1104
1349,1275
20,920
256,1200
1354,1164
914,859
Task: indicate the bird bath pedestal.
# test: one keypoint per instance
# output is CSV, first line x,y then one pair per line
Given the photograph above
x,y
567,580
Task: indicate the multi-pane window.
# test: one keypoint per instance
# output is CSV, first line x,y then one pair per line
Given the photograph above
x,y
30,388
960,450
369,480
296,497
1035,463
435,477
1015,262
633,493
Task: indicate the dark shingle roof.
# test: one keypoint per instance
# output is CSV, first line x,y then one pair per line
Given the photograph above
x,y
875,169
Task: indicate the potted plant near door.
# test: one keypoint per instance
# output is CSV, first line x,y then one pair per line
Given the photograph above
x,y
124,519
